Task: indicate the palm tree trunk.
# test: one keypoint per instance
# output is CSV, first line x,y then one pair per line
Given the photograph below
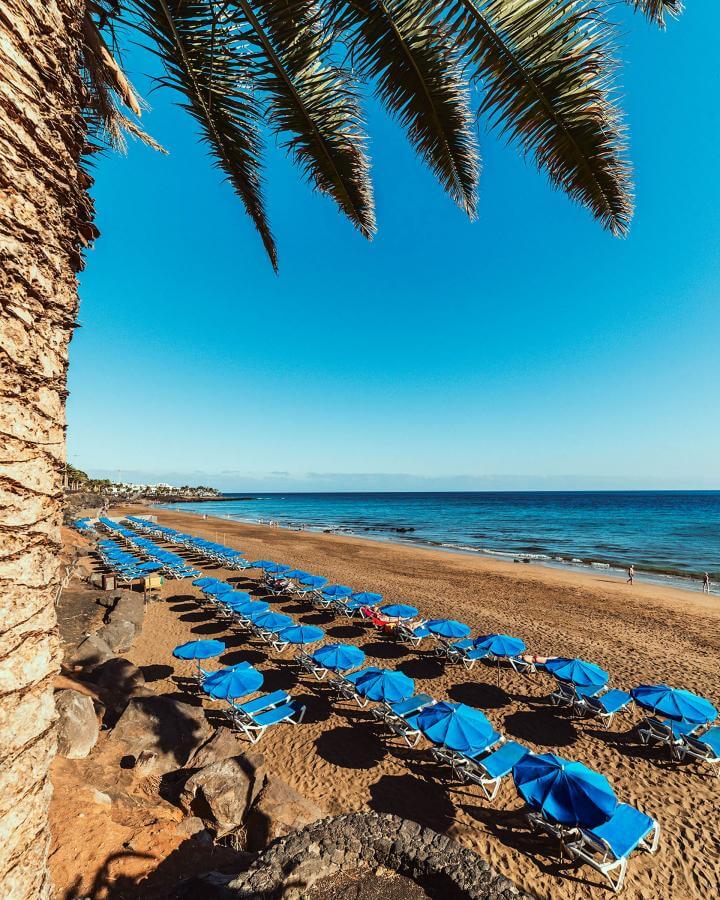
x,y
45,216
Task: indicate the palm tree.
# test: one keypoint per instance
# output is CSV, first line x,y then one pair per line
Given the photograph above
x,y
543,74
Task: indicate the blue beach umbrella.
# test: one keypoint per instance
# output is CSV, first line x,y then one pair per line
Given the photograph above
x,y
297,574
252,609
339,657
262,563
385,685
457,726
235,598
276,569
313,581
365,598
675,703
272,621
399,611
500,644
205,582
228,684
567,793
448,628
337,591
199,649
216,590
577,671
301,634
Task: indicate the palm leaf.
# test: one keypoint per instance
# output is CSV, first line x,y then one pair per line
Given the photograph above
x,y
312,102
655,10
205,61
417,75
545,68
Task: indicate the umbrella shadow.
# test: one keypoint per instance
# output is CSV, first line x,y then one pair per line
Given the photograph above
x,y
345,631
349,747
541,727
424,668
385,650
479,694
184,606
213,627
413,798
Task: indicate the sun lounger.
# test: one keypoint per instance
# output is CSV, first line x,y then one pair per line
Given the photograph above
x,y
256,726
463,651
606,706
607,847
245,711
488,771
665,732
401,718
344,685
414,636
704,748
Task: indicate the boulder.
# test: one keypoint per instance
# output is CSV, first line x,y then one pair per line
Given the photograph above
x,y
78,727
130,607
223,792
91,651
161,725
223,744
117,675
118,634
278,810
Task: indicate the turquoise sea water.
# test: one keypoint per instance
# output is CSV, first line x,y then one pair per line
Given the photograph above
x,y
667,535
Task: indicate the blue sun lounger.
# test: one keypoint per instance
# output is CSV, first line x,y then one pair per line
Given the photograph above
x,y
665,732
256,725
245,711
402,718
607,847
704,748
344,685
606,706
488,771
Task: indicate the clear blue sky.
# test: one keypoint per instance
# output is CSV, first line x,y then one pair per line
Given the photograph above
x,y
529,349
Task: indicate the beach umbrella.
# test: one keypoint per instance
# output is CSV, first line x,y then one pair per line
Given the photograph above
x,y
448,628
199,649
236,598
385,685
313,581
500,644
262,563
337,591
301,634
577,671
399,611
364,598
228,684
456,726
205,582
339,657
297,574
215,590
276,569
675,703
271,621
567,793
252,609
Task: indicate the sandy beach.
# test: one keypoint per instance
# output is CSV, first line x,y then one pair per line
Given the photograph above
x,y
640,634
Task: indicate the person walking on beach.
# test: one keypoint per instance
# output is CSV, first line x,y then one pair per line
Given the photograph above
x,y
631,575
706,583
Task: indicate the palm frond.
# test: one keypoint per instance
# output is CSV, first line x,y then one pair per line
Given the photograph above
x,y
416,73
107,90
656,10
311,101
205,61
545,68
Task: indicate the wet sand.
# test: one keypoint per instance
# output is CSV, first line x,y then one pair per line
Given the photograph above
x,y
640,634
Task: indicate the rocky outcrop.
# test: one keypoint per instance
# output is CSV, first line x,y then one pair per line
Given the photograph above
x,y
277,811
129,607
293,864
223,744
78,727
224,791
162,726
91,651
118,635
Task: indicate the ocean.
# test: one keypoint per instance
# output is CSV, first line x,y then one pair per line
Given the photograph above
x,y
669,536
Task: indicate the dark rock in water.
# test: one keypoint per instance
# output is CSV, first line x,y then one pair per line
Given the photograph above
x,y
164,726
278,810
91,651
118,634
223,792
78,727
